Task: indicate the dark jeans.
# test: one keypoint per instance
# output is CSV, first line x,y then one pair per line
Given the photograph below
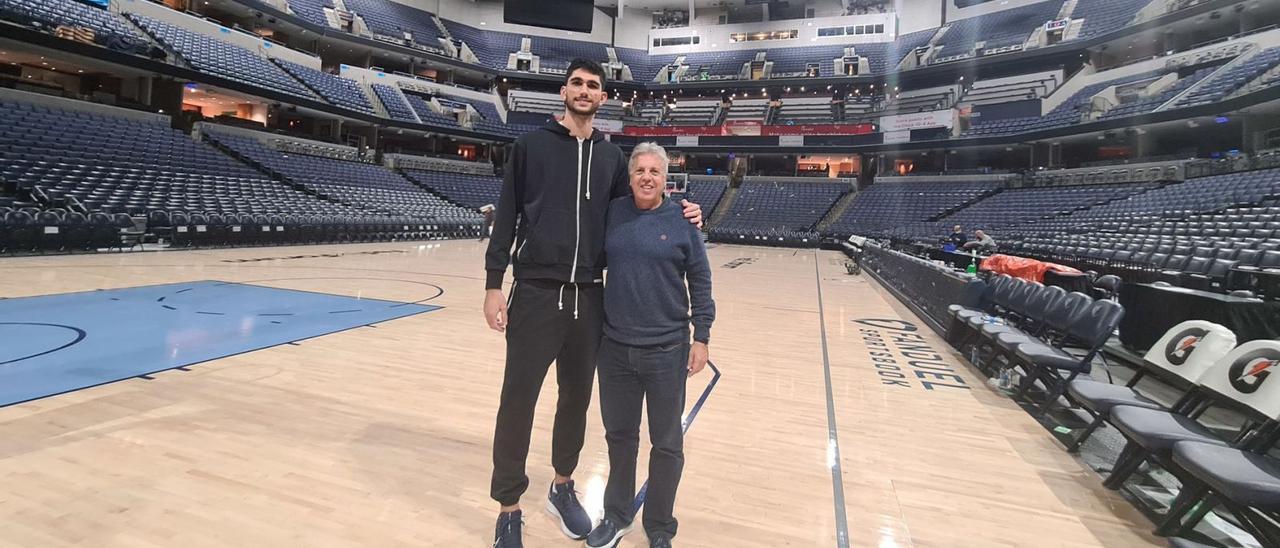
x,y
629,376
538,332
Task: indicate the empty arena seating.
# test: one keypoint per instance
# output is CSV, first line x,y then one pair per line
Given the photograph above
x,y
748,110
906,43
1147,102
877,55
550,104
490,120
367,186
1078,108
223,59
393,19
1232,78
311,11
532,101
700,112
1103,16
652,110
394,102
859,108
805,110
121,165
1028,205
491,48
471,191
427,114
887,205
519,123
1006,90
1003,30
486,116
644,67
778,213
707,194
717,63
922,100
50,14
1196,232
982,127
559,52
794,61
340,91
1174,201
1074,109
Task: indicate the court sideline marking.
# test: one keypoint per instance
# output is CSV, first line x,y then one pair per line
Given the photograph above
x,y
833,442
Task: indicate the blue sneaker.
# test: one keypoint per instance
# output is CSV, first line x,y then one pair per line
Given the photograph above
x,y
606,534
562,502
509,533
659,541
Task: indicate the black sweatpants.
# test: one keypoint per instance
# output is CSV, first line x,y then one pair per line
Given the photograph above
x,y
541,328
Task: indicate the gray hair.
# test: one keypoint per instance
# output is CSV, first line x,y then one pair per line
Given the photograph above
x,y
650,148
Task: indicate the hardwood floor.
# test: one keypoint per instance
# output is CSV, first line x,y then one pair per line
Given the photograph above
x,y
380,436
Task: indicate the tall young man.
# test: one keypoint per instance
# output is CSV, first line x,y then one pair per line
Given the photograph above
x,y
558,182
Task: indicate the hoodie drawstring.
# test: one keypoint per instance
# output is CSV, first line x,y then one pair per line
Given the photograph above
x,y
591,148
560,300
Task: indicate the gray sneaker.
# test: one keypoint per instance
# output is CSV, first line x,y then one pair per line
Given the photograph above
x,y
606,534
659,541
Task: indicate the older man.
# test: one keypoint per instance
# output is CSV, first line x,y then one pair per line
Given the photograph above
x,y
646,354
981,242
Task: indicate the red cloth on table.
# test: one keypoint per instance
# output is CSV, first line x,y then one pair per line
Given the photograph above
x,y
1022,267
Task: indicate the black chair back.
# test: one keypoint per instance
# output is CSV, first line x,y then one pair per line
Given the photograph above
x,y
1062,316
1096,324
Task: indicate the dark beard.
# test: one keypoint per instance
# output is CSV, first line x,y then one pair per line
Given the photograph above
x,y
569,106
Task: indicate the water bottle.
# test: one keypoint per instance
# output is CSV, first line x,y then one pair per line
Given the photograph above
x,y
973,267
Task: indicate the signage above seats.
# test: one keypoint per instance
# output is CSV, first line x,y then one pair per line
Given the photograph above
x,y
1060,24
741,128
918,120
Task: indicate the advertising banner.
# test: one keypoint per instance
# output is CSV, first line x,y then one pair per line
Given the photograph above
x,y
918,120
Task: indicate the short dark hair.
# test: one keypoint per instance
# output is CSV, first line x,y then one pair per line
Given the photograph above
x,y
587,65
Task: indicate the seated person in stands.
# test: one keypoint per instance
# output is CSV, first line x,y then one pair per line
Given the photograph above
x,y
957,237
981,242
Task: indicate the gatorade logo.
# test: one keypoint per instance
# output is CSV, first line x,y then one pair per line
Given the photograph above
x,y
1181,346
1250,370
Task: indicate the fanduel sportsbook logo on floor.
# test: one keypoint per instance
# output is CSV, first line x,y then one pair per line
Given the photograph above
x,y
903,358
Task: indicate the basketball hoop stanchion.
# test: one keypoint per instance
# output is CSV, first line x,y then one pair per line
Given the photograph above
x,y
677,186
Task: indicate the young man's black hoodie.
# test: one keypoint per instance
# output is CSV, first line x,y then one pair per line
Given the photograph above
x,y
555,195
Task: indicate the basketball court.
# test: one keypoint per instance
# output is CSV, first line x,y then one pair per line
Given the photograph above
x,y
345,396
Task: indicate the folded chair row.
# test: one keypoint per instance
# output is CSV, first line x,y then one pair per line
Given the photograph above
x,y
1053,336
